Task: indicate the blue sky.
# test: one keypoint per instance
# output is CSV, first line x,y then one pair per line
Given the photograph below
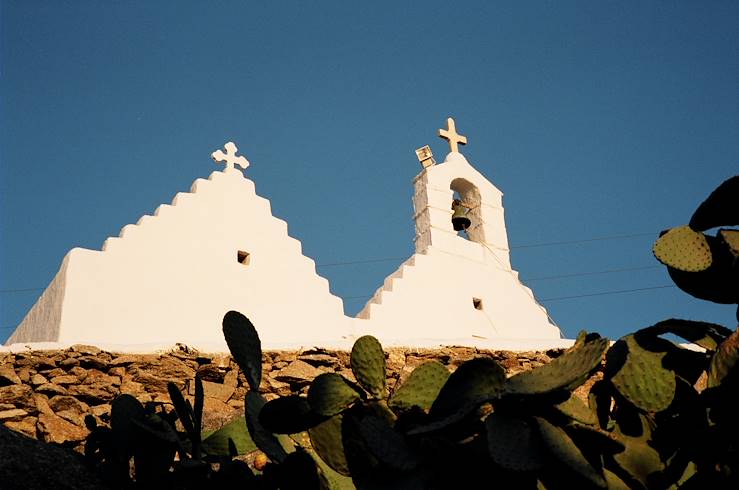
x,y
596,119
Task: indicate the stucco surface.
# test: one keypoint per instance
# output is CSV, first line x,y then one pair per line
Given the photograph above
x,y
171,277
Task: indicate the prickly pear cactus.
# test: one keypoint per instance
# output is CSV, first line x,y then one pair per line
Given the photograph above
x,y
683,249
720,208
473,382
326,439
513,444
387,445
561,446
368,365
289,415
330,394
703,334
566,372
421,388
724,361
264,439
217,443
638,372
731,239
576,410
246,348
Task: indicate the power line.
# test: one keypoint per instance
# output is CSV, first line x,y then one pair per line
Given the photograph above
x,y
597,239
606,293
19,290
602,293
593,273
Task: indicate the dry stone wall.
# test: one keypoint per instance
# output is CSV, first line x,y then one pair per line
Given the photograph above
x,y
47,394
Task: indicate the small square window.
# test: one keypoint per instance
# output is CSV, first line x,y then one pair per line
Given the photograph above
x,y
477,303
243,257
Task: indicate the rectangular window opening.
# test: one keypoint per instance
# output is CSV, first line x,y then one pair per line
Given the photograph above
x,y
477,303
243,257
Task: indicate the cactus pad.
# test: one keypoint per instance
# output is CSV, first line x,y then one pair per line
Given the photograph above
x,y
634,365
575,409
217,443
288,415
474,382
330,394
386,444
720,208
566,372
245,346
704,334
731,239
512,443
264,439
421,388
368,364
564,449
683,249
725,360
326,439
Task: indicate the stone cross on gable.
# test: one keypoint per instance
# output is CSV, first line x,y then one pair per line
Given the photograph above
x,y
230,158
450,133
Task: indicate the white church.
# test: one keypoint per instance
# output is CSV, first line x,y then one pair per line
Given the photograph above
x,y
172,276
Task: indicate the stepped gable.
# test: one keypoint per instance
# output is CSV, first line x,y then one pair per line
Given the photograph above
x,y
172,276
458,284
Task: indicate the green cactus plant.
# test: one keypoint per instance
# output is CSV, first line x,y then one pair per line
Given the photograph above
x,y
330,394
566,372
368,365
246,348
513,443
684,249
421,387
634,366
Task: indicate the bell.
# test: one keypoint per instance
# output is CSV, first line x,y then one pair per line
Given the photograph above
x,y
460,221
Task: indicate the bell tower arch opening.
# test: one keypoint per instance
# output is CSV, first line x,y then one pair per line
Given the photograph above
x,y
466,202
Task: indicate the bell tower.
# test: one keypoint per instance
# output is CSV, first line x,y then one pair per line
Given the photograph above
x,y
437,187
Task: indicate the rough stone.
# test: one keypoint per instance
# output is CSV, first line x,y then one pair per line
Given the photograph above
x,y
24,374
96,362
60,403
69,362
85,349
100,410
56,430
231,378
298,372
117,371
64,380
318,358
52,389
72,416
81,373
217,390
38,379
42,404
94,377
13,414
127,359
395,360
92,395
8,376
50,373
131,388
26,426
17,395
